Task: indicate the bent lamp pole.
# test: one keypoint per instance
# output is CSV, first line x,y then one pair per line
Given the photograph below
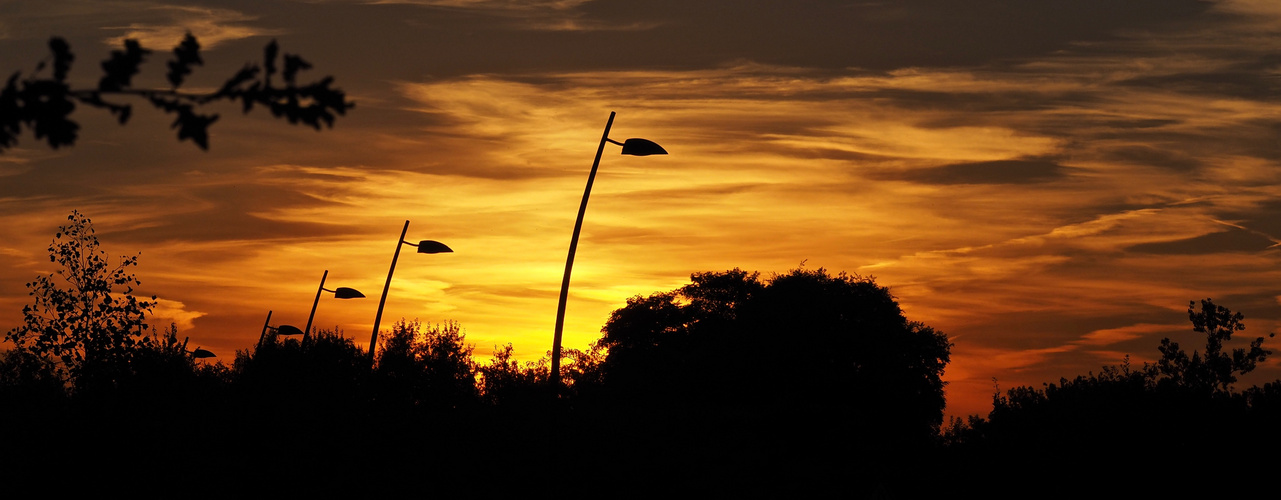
x,y
424,246
633,147
339,293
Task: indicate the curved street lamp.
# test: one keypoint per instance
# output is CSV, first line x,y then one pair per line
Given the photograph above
x,y
278,330
339,293
285,330
424,246
633,147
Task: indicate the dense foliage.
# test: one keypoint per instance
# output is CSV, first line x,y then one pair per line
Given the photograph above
x,y
815,360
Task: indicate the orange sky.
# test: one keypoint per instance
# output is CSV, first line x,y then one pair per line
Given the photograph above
x,y
1049,183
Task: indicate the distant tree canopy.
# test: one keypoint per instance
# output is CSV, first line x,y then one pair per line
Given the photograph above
x,y
821,351
1214,370
44,103
430,368
1179,388
1180,406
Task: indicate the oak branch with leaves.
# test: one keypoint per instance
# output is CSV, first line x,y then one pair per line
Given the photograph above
x,y
44,104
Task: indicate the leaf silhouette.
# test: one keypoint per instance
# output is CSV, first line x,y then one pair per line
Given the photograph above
x,y
122,66
195,127
186,55
62,58
44,105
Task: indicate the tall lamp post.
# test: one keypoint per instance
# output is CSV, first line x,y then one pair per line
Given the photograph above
x,y
634,147
424,246
339,293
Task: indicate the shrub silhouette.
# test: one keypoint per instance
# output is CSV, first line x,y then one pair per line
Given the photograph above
x,y
29,383
305,382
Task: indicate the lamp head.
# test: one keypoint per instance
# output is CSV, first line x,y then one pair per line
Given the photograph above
x,y
433,246
343,292
642,147
288,330
202,353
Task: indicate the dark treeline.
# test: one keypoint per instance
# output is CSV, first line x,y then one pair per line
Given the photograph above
x,y
800,384
1176,427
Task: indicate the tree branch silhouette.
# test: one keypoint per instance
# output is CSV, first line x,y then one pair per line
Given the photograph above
x,y
44,104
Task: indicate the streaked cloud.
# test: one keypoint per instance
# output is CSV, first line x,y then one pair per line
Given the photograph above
x,y
497,5
212,26
156,24
544,15
174,313
1111,336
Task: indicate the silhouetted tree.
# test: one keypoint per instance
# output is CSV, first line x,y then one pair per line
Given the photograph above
x,y
85,317
1215,370
429,368
504,381
739,371
870,364
297,381
732,335
162,366
1265,402
296,409
1181,406
44,104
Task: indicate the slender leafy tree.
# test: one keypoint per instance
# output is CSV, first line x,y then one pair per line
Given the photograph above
x,y
84,316
1215,369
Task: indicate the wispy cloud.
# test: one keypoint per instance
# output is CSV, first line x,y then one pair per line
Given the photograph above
x,y
541,15
516,5
174,313
211,26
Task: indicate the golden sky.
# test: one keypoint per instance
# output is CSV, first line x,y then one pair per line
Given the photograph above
x,y
1049,183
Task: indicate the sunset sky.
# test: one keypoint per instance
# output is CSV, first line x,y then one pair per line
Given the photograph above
x,y
1049,183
